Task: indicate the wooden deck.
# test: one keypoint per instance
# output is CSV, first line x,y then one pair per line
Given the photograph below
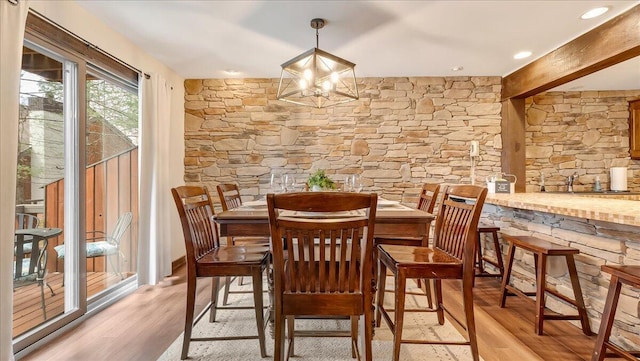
x,y
27,308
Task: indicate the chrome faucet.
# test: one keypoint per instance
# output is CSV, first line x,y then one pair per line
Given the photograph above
x,y
570,180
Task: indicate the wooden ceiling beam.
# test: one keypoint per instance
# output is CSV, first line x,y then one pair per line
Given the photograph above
x,y
613,42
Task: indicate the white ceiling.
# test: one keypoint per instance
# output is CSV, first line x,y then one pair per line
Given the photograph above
x,y
203,39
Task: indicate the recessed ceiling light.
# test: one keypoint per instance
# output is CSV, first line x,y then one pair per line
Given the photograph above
x,y
457,68
593,13
522,55
231,72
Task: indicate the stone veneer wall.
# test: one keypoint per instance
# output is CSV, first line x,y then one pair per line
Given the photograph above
x,y
585,132
401,133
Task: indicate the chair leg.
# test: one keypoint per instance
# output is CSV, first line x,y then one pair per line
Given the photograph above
x,y
479,261
610,307
227,285
44,305
428,291
354,337
496,245
278,334
188,319
541,281
291,329
400,284
439,307
382,271
215,288
507,275
467,299
577,295
258,305
366,331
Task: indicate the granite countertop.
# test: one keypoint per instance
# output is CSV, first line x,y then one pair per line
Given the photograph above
x,y
607,209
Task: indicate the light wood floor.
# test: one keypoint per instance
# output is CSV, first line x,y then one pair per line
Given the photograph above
x,y
144,324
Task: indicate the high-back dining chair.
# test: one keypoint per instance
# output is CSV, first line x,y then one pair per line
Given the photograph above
x,y
322,262
229,195
426,202
451,257
207,258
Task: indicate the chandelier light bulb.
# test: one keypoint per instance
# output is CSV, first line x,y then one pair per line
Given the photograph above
x,y
308,74
334,77
326,85
303,84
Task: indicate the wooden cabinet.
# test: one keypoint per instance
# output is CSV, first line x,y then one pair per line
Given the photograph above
x,y
634,129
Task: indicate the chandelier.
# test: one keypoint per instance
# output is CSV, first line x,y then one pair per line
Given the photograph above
x,y
316,78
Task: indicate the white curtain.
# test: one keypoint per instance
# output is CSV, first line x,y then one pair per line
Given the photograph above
x,y
13,16
155,194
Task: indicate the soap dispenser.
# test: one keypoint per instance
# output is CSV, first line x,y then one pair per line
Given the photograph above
x,y
542,182
596,186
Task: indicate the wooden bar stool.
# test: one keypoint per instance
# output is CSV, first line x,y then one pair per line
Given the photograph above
x,y
629,275
481,259
541,249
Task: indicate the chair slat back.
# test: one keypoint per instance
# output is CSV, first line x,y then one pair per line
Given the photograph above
x,y
316,254
457,221
229,195
428,197
121,226
25,221
196,215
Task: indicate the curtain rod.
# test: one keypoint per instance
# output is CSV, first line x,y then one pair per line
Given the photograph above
x,y
87,43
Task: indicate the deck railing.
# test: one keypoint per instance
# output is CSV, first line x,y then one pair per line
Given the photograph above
x,y
111,189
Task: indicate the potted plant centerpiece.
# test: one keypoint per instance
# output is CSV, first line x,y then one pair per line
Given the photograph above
x,y
319,181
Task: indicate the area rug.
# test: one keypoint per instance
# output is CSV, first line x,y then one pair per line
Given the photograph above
x,y
241,322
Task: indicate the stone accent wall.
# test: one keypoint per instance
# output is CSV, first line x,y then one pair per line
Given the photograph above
x,y
585,132
401,133
599,243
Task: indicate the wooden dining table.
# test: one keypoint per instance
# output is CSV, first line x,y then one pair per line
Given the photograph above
x,y
392,220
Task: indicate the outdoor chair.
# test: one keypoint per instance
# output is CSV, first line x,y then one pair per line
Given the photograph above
x,y
30,268
100,244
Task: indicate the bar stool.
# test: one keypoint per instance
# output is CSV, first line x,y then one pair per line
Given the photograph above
x,y
481,259
629,275
541,249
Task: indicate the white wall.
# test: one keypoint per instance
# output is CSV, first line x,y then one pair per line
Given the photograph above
x,y
77,20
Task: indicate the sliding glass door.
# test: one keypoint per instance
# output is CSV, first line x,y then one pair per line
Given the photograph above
x,y
77,190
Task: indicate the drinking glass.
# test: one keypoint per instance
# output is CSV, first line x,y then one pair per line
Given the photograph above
x,y
348,183
276,183
289,183
356,183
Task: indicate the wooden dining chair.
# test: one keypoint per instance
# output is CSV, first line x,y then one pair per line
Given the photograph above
x,y
207,258
229,195
451,257
426,202
322,263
